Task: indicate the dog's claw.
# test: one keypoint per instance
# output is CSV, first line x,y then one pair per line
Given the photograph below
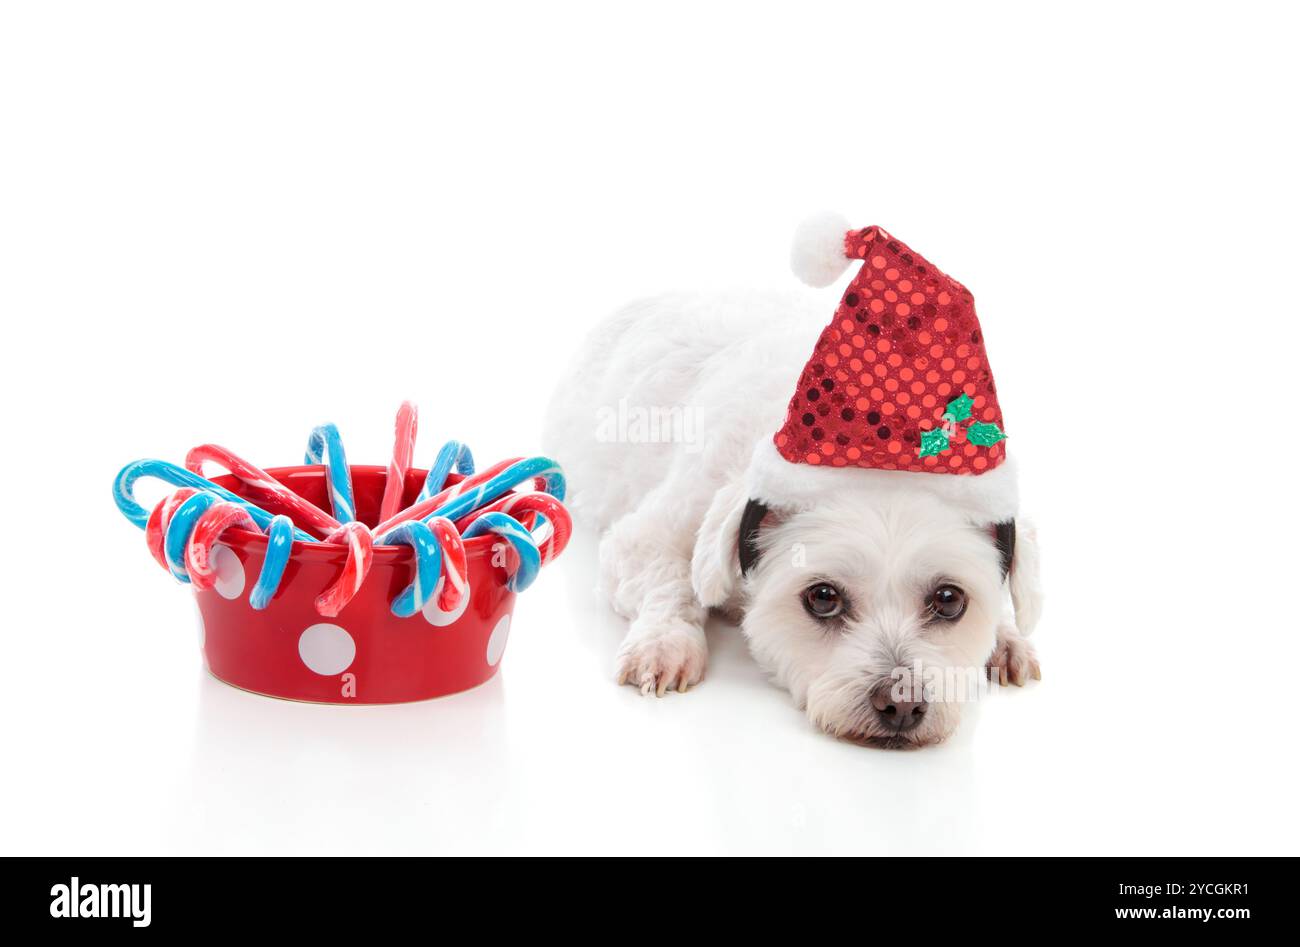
x,y
663,658
1013,660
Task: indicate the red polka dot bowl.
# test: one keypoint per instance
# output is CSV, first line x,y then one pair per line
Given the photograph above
x,y
365,655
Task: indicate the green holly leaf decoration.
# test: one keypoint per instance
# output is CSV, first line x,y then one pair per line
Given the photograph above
x,y
959,408
985,434
933,442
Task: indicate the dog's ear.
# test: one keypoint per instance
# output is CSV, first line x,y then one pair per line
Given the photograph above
x,y
1026,590
715,563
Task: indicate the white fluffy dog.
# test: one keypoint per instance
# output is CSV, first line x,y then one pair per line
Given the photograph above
x,y
661,425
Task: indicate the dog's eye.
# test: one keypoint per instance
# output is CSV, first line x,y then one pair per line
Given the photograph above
x,y
947,602
823,600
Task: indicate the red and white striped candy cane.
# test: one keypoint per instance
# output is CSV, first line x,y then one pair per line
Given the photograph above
x,y
155,528
429,504
305,514
198,551
453,584
361,554
403,449
518,504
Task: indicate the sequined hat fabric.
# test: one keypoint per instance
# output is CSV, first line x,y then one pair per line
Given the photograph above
x,y
899,379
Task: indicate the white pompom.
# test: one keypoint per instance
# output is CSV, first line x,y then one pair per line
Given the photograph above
x,y
817,254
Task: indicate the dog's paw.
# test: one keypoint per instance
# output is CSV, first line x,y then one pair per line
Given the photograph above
x,y
1013,660
663,656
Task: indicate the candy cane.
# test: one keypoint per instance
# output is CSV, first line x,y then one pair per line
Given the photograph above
x,y
453,595
469,495
511,530
453,584
279,544
156,526
452,454
179,528
263,484
423,509
539,504
325,446
403,448
428,562
132,473
183,528
543,470
218,518
360,555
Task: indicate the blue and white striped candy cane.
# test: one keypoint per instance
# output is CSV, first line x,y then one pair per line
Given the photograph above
x,y
451,597
179,528
428,565
279,544
280,529
513,532
464,498
325,446
128,476
452,454
521,472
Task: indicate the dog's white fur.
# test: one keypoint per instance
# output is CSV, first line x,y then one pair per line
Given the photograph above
x,y
672,513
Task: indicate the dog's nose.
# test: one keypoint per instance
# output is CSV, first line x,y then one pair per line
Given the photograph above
x,y
898,715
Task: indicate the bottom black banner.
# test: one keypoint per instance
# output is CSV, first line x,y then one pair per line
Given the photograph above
x,y
139,896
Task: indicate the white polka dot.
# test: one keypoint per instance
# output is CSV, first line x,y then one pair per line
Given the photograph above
x,y
327,649
203,633
230,572
497,642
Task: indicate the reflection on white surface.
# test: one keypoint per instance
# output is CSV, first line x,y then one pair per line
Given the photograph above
x,y
262,774
551,756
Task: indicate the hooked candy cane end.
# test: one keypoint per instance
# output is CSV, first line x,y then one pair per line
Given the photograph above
x,y
326,607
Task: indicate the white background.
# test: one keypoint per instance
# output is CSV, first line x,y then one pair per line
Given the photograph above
x,y
231,222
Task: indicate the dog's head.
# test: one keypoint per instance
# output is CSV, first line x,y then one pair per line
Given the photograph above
x,y
877,610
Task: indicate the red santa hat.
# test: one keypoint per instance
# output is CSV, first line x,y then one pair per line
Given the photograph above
x,y
898,392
